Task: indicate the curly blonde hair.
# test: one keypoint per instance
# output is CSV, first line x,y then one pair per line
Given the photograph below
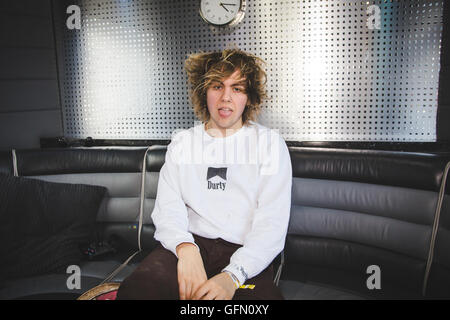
x,y
207,67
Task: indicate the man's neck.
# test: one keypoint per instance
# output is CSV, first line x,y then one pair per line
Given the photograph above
x,y
217,132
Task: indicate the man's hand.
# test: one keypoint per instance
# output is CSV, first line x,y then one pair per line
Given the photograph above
x,y
190,269
219,287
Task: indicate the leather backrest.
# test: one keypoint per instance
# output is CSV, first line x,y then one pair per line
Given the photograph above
x,y
117,169
355,209
438,285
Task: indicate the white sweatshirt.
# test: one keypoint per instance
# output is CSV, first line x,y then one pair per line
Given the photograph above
x,y
237,188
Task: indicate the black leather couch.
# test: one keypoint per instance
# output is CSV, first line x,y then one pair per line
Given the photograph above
x,y
351,209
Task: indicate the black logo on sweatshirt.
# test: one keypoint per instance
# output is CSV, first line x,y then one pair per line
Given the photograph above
x,y
221,173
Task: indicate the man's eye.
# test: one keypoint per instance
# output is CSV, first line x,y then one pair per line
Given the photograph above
x,y
217,87
238,89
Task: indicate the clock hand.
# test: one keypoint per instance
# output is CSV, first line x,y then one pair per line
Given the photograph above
x,y
221,4
228,4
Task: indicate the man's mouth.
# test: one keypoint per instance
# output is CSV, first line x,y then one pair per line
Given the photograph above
x,y
225,112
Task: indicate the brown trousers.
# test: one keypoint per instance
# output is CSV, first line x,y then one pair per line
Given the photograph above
x,y
155,278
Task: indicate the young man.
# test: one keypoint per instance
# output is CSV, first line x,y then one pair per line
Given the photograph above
x,y
224,193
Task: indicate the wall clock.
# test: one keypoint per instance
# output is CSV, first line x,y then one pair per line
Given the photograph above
x,y
222,12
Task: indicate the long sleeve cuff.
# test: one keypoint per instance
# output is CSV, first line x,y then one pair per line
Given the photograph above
x,y
186,242
172,245
237,271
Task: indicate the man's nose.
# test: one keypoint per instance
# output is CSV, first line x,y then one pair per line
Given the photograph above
x,y
226,96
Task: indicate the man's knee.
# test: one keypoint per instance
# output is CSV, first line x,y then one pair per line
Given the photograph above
x,y
146,285
154,278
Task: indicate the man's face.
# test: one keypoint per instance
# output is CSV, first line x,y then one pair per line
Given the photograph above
x,y
226,101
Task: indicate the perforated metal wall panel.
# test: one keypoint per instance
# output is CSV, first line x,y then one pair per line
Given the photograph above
x,y
333,73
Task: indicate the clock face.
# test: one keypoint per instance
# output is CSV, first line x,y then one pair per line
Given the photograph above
x,y
220,12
